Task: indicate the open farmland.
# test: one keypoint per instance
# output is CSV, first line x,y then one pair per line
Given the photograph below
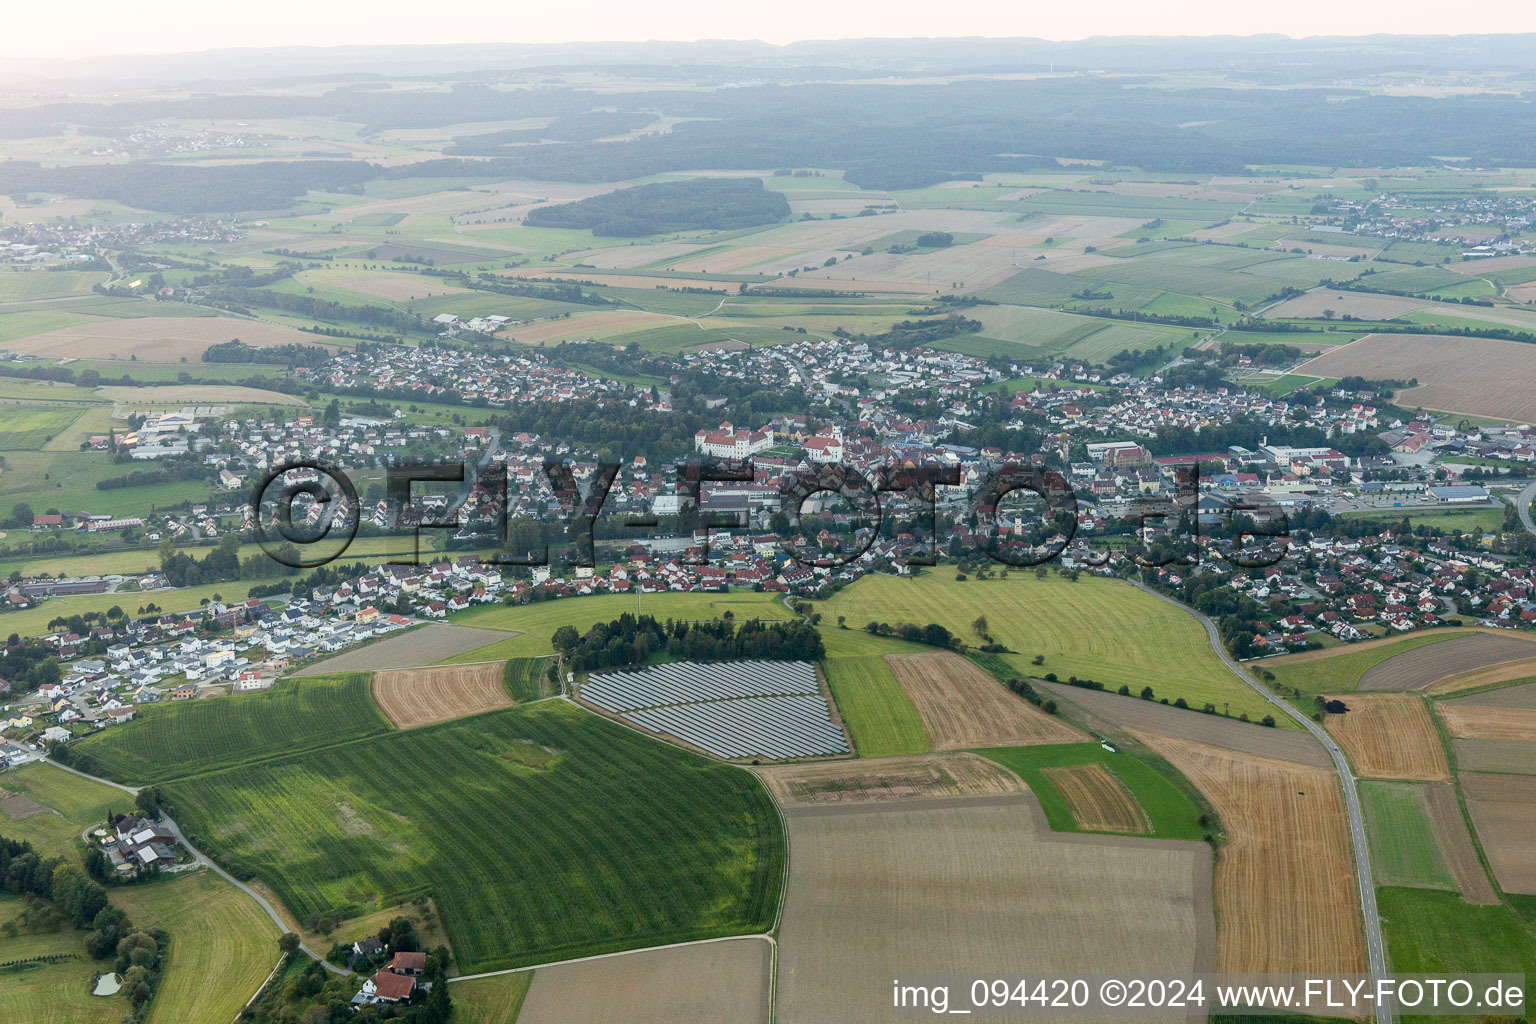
x,y
1516,757
174,740
963,706
1390,736
1286,896
877,891
1502,808
1456,844
717,981
51,993
1503,672
515,822
412,697
1476,376
876,710
1216,730
1099,801
1521,696
416,648
1469,721
915,777
156,338
1405,849
1338,669
1421,669
31,427
1079,628
222,945
48,807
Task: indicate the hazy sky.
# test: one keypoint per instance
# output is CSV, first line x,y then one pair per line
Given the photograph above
x,y
85,28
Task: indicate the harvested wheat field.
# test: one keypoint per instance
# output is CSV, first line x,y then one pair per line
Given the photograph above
x,y
879,890
710,983
1479,376
163,339
394,287
1216,730
1470,722
878,780
1422,667
1508,672
1456,845
421,696
1521,696
416,648
1361,305
1099,801
1390,736
1503,808
1514,756
1285,882
961,706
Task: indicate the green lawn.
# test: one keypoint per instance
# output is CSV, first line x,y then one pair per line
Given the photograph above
x,y
495,1000
80,803
1340,672
1402,837
877,711
615,842
58,993
1173,814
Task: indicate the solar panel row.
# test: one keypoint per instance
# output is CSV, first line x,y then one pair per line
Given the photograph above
x,y
766,709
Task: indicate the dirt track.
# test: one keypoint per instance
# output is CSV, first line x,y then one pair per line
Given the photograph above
x,y
963,707
1286,895
1390,736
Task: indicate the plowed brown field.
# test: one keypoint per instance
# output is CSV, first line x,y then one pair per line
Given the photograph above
x,y
963,707
1390,736
1425,666
1456,845
411,697
1503,807
1099,801
876,780
1467,721
1286,898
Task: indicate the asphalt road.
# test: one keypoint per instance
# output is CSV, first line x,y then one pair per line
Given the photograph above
x,y
1523,506
1375,949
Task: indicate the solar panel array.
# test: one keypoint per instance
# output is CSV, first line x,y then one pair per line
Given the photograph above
x,y
766,709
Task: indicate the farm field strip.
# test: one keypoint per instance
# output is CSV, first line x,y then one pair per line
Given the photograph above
x,y
417,648
963,706
1465,721
876,710
1286,895
1502,809
1099,801
1456,844
889,779
1421,669
1405,848
413,697
1390,736
1477,376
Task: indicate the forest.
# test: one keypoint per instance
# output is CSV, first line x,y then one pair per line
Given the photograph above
x,y
721,204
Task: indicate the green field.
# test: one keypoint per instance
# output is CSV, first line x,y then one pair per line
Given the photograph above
x,y
80,803
172,740
222,945
22,286
68,480
492,1000
1401,836
1340,672
1170,810
537,622
1431,932
1094,629
1490,520
879,715
23,428
524,678
615,841
58,993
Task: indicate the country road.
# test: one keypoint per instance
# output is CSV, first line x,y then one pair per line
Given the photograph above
x,y
1523,506
203,859
1375,948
